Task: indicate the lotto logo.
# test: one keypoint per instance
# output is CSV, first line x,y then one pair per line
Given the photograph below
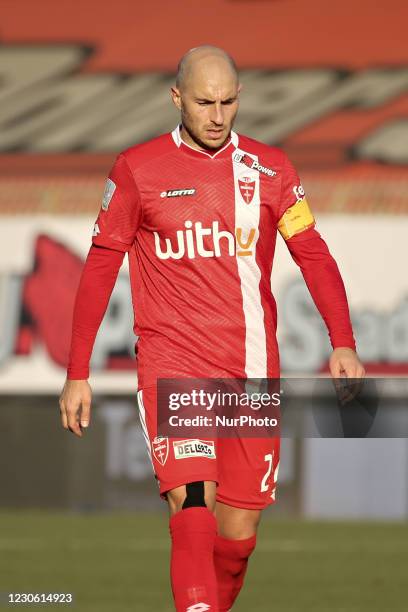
x,y
176,193
190,242
198,607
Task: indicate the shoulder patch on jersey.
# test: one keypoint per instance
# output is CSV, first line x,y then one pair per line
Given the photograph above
x,y
108,194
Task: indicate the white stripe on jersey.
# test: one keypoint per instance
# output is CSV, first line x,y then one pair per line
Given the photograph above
x,y
142,417
247,217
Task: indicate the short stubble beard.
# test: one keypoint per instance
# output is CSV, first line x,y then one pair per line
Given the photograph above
x,y
198,140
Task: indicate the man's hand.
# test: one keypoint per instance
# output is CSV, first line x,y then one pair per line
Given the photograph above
x,y
344,362
346,366
75,405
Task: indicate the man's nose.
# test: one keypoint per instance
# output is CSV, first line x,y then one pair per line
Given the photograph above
x,y
217,114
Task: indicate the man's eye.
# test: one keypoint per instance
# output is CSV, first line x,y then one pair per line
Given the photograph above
x,y
203,103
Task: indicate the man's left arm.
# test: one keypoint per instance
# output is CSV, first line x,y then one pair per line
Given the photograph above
x,y
326,287
310,252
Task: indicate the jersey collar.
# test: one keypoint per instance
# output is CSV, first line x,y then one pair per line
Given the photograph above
x,y
225,151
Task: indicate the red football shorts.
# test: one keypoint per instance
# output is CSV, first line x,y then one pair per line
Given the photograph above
x,y
245,469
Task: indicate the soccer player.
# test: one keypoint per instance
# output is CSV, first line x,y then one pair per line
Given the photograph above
x,y
198,210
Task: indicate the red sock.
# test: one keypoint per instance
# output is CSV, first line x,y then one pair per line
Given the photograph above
x,y
231,561
193,580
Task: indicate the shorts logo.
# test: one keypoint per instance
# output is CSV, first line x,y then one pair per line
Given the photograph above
x,y
243,158
96,230
247,188
176,193
108,194
299,192
160,447
184,449
199,607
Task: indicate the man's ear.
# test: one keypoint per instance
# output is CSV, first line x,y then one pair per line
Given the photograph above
x,y
176,97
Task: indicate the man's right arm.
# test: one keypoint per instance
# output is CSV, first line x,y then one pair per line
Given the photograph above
x,y
95,288
114,233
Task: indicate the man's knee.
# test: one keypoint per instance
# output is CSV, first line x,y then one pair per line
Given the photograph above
x,y
192,495
237,523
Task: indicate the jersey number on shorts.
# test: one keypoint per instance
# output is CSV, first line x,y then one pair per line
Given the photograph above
x,y
264,483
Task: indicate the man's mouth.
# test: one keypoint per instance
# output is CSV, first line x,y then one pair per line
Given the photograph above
x,y
213,133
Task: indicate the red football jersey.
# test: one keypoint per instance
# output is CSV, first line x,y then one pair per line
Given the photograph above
x,y
200,230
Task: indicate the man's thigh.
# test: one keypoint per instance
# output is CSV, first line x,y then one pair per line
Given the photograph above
x,y
175,461
248,471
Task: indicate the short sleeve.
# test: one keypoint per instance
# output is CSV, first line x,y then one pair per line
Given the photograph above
x,y
121,212
294,214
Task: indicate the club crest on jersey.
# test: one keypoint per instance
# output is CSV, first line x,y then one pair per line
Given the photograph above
x,y
243,158
160,447
176,193
247,188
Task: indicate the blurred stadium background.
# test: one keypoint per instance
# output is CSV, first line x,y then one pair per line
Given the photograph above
x,y
78,83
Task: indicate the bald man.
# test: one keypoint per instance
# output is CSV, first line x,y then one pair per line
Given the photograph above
x,y
198,210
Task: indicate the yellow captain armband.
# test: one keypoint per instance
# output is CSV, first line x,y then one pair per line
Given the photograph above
x,y
296,219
